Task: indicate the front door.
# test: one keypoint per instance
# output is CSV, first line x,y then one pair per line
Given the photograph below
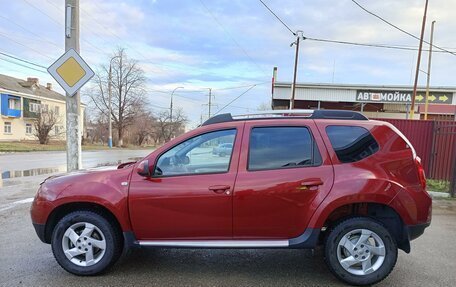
x,y
283,176
190,194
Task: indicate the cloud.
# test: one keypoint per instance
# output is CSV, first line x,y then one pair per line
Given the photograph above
x,y
223,43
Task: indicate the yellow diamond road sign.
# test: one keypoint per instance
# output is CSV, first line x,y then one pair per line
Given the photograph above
x,y
71,72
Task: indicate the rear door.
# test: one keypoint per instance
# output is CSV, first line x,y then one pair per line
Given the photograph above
x,y
284,174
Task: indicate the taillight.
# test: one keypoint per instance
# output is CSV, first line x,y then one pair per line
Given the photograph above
x,y
421,174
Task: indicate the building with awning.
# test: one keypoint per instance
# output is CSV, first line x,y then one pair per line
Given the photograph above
x,y
375,101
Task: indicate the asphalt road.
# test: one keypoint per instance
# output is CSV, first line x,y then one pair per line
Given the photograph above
x,y
25,261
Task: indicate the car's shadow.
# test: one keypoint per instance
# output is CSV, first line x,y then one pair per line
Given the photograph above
x,y
218,267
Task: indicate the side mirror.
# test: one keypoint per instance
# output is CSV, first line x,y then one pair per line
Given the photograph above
x,y
143,169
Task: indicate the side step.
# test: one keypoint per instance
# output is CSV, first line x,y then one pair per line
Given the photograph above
x,y
215,243
309,239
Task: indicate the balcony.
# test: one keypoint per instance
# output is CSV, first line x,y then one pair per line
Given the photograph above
x,y
11,106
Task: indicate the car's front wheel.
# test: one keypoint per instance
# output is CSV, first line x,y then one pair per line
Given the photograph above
x,y
85,243
360,251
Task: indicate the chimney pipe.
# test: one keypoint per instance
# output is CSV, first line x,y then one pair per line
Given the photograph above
x,y
49,86
33,80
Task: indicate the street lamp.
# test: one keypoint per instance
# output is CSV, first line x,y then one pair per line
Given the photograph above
x,y
109,100
171,105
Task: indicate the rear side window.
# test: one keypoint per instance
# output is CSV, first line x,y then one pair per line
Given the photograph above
x,y
282,147
351,143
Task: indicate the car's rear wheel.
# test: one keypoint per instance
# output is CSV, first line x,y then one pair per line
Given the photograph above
x,y
360,251
85,243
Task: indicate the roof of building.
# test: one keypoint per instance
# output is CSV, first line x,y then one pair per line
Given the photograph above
x,y
362,86
28,87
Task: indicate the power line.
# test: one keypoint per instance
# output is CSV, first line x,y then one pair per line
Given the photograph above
x,y
19,64
278,18
30,48
245,92
243,86
400,29
59,24
232,38
19,59
29,31
385,46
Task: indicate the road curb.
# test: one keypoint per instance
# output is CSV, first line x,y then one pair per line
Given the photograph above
x,y
435,194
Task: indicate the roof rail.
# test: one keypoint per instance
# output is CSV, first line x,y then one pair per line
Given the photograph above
x,y
311,114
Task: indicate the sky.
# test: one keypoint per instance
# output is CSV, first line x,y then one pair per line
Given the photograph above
x,y
231,46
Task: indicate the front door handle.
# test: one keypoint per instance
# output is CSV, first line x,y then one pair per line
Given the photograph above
x,y
220,189
312,182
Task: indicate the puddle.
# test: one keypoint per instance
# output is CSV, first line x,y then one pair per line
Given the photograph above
x,y
48,170
31,172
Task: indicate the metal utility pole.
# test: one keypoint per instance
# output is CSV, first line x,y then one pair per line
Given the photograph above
x,y
429,72
110,100
73,103
293,87
210,102
110,105
171,104
412,108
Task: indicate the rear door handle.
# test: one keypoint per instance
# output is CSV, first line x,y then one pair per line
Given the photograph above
x,y
220,189
312,182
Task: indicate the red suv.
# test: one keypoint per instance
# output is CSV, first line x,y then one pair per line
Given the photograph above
x,y
293,179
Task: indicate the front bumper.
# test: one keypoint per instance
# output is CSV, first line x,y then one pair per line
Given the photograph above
x,y
40,230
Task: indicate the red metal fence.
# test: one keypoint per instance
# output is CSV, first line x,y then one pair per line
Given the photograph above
x,y
434,142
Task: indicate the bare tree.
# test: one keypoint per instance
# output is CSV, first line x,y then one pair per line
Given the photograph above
x,y
264,107
143,128
128,90
44,124
165,129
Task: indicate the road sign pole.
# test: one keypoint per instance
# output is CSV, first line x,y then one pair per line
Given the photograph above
x,y
73,103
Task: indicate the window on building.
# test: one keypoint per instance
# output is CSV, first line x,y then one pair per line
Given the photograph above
x,y
28,128
34,107
7,128
351,143
282,147
57,130
44,107
14,104
57,110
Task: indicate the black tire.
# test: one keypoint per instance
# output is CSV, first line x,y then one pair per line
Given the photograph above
x,y
334,237
222,154
112,237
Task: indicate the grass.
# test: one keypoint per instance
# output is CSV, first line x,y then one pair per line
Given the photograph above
x,y
438,185
53,146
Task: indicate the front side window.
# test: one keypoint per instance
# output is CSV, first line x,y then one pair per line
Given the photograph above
x,y
7,128
196,156
282,147
351,143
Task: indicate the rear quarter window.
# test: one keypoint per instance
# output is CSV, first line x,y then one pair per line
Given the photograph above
x,y
351,143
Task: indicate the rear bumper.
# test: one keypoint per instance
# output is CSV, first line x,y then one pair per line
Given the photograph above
x,y
415,231
40,230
